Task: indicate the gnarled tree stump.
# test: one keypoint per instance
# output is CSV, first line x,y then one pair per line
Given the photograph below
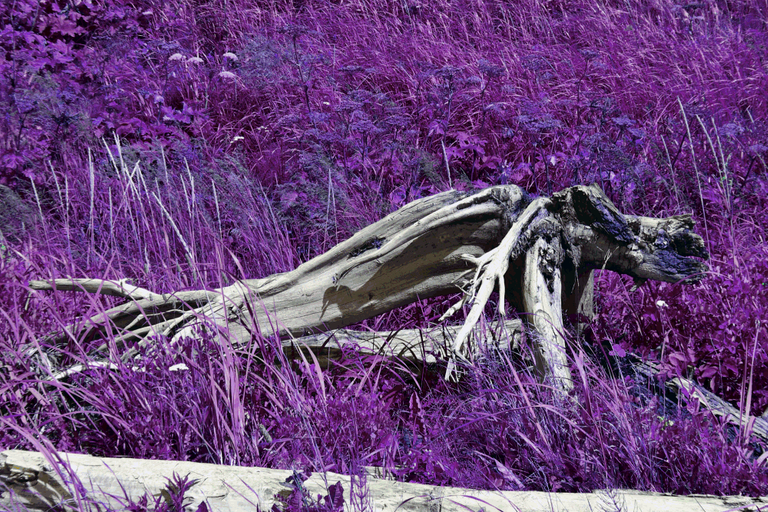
x,y
538,253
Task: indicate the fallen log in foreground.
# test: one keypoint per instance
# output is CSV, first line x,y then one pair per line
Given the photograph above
x,y
28,481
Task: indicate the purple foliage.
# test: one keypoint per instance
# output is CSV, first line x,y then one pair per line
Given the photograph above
x,y
189,144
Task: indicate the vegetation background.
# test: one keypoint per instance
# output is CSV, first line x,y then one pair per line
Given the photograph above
x,y
189,143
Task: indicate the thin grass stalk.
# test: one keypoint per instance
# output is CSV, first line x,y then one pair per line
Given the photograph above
x,y
721,165
67,224
56,181
698,177
745,404
91,188
111,156
672,172
727,190
145,213
190,258
447,165
111,219
218,212
124,203
330,201
42,217
195,223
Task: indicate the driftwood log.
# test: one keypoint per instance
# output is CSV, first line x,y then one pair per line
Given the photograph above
x,y
30,481
538,253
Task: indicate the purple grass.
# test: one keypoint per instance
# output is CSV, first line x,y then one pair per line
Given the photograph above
x,y
186,146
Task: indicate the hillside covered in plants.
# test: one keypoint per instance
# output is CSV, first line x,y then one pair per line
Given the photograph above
x,y
186,144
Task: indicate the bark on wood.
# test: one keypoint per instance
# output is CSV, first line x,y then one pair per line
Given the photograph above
x,y
29,481
433,246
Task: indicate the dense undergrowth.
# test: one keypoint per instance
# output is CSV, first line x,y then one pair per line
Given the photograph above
x,y
189,144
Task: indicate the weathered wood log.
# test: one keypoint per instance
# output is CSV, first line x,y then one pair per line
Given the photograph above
x,y
416,252
29,481
538,253
416,347
542,297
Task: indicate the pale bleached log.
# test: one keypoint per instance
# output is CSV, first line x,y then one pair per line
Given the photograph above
x,y
427,345
34,483
427,248
414,253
